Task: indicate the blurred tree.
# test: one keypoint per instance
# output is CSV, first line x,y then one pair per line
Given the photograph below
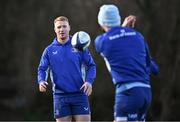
x,y
27,28
163,25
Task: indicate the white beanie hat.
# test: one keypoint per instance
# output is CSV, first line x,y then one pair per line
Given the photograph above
x,y
109,16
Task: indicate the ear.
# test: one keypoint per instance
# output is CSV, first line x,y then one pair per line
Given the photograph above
x,y
54,30
69,27
104,28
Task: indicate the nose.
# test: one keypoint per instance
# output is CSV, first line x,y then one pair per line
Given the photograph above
x,y
61,29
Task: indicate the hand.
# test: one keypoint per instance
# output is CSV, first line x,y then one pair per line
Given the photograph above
x,y
87,88
43,86
129,21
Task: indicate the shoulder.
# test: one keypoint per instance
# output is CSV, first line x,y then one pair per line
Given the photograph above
x,y
49,47
99,42
99,37
136,31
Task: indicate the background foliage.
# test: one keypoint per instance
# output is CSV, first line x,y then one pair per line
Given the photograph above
x,y
26,28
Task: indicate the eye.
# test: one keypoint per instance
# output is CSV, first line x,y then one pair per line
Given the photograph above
x,y
64,26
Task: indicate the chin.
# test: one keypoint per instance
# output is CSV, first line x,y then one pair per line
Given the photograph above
x,y
62,38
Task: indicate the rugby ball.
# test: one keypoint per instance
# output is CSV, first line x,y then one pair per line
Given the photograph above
x,y
80,40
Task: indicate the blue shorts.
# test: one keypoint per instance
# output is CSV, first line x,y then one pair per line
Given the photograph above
x,y
70,104
132,104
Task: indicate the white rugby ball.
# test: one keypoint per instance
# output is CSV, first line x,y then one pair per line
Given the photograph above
x,y
81,40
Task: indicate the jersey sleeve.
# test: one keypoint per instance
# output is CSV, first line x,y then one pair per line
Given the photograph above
x,y
90,65
43,67
99,44
152,67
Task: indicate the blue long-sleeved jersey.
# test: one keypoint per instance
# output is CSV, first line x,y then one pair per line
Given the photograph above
x,y
126,55
67,67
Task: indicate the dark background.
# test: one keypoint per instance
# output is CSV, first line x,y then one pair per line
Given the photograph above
x,y
26,28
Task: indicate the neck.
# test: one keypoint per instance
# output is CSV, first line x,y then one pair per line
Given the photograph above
x,y
62,41
105,28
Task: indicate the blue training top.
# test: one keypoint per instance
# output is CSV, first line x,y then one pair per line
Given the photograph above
x,y
66,66
126,55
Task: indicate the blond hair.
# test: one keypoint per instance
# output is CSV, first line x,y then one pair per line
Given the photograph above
x,y
61,18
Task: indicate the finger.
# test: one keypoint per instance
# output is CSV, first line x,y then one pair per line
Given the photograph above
x,y
89,91
132,21
85,88
42,89
82,87
43,85
128,21
130,17
133,24
46,83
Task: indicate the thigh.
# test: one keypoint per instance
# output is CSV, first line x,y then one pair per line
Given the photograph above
x,y
143,111
128,104
64,119
82,118
61,108
80,105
